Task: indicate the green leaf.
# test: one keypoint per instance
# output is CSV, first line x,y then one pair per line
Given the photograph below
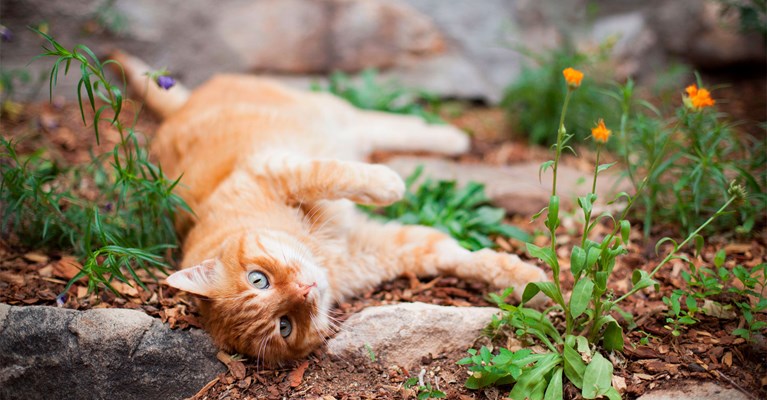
x,y
604,167
641,279
613,337
699,241
548,288
545,254
719,258
573,365
529,384
577,261
544,166
625,230
554,390
597,378
552,218
581,296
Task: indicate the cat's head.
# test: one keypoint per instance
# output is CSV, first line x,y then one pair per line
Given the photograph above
x,y
263,296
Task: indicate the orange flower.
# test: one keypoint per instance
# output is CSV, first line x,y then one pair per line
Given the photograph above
x,y
573,77
698,98
600,132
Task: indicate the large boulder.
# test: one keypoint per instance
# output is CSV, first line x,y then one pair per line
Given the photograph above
x,y
49,352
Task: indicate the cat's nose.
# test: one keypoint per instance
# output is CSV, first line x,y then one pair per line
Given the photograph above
x,y
304,289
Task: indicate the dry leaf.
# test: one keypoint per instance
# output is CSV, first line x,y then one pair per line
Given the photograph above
x,y
67,267
237,368
619,383
12,278
727,359
36,257
297,375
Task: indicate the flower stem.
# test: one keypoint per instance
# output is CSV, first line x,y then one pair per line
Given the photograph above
x,y
560,137
676,248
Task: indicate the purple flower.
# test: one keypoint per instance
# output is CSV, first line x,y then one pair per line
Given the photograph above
x,y
61,299
108,207
165,82
6,35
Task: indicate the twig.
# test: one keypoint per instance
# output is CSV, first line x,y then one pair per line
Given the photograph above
x,y
741,389
204,390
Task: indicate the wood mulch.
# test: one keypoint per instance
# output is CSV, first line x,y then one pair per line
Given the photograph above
x,y
706,351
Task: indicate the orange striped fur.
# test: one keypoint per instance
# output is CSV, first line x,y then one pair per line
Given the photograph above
x,y
272,175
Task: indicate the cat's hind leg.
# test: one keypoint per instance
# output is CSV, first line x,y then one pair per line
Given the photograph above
x,y
389,250
386,131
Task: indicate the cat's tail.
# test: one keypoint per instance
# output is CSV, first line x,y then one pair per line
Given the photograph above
x,y
161,101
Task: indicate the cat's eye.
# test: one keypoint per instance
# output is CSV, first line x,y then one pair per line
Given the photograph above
x,y
285,327
258,280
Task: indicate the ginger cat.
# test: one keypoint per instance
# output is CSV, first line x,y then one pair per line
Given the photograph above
x,y
272,175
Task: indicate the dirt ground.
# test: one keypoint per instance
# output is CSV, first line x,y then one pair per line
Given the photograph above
x,y
706,351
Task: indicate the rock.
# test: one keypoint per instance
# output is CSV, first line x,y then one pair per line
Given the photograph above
x,y
100,353
404,333
696,31
4,309
635,51
298,36
694,391
516,188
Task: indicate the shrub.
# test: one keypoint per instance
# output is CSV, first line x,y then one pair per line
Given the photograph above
x,y
463,213
571,350
369,94
533,101
701,154
126,222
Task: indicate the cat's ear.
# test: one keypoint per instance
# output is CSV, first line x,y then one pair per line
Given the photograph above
x,y
199,279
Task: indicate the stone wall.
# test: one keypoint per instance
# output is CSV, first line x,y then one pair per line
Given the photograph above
x,y
458,48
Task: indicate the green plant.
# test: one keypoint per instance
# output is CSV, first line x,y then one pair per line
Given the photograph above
x,y
701,153
752,14
678,319
587,314
369,94
124,221
424,389
533,101
109,18
463,212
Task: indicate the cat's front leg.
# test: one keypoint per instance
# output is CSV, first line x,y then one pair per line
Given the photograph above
x,y
302,180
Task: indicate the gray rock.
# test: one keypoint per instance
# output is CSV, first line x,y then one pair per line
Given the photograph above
x,y
694,391
696,31
515,187
404,333
635,51
48,352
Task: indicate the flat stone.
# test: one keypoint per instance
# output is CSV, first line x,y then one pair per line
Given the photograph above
x,y
108,353
694,391
404,333
515,188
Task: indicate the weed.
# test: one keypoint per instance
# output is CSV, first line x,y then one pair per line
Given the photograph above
x,y
701,154
370,94
463,213
678,319
533,101
424,389
126,222
587,314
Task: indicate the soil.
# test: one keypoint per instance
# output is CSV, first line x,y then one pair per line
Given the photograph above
x,y
705,351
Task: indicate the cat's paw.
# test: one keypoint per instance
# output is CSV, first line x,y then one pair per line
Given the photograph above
x,y
382,186
513,272
451,140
